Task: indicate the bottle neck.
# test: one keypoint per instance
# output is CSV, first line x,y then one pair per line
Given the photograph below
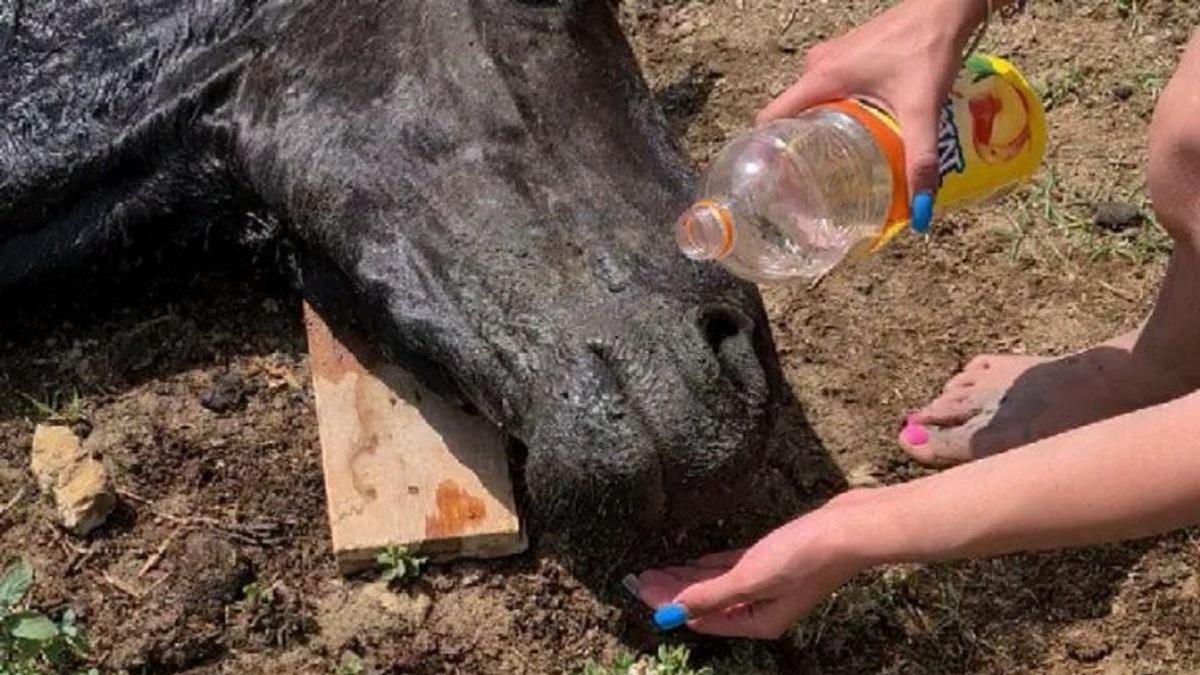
x,y
705,231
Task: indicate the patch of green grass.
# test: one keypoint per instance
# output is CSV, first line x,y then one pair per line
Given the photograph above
x,y
1047,201
670,660
1059,87
32,643
1140,244
1049,216
1036,204
57,407
258,595
1129,11
1151,83
350,664
398,566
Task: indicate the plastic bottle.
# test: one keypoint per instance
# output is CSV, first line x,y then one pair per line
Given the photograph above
x,y
792,199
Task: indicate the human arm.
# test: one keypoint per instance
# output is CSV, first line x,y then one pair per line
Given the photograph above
x,y
1129,476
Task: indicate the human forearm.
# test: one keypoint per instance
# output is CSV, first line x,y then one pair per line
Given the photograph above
x,y
1126,477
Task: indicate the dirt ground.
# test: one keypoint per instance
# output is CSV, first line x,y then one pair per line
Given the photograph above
x,y
195,390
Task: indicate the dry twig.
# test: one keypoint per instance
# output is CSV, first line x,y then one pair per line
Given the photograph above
x,y
257,534
13,502
162,549
122,586
1117,292
135,593
791,18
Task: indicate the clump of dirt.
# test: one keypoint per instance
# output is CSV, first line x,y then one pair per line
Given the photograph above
x,y
226,393
194,385
183,623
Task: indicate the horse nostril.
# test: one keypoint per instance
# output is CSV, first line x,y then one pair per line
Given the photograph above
x,y
719,325
598,349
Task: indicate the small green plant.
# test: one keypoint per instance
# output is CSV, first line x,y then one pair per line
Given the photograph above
x,y
57,407
1059,87
621,665
258,595
397,565
670,660
350,665
30,642
1151,83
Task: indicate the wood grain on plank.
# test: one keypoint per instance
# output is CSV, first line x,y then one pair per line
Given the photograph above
x,y
404,467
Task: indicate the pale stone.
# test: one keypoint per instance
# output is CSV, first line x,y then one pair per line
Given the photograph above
x,y
54,449
78,482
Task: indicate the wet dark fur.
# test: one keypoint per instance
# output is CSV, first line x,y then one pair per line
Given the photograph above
x,y
486,182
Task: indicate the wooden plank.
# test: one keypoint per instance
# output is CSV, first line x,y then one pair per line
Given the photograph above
x,y
404,467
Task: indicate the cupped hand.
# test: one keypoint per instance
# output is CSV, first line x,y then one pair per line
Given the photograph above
x,y
906,60
761,592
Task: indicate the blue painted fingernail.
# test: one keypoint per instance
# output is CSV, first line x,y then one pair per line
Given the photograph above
x,y
922,212
670,617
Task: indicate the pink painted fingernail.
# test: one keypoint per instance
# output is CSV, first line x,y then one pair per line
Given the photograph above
x,y
914,434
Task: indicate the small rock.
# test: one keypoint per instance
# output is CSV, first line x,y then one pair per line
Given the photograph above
x,y
54,449
684,29
1122,91
1086,645
440,581
78,482
862,476
226,393
1116,216
472,573
85,499
864,286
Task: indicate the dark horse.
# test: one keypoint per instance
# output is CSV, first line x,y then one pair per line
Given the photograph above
x,y
487,184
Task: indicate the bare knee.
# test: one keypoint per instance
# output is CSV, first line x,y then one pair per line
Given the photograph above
x,y
1174,165
1173,174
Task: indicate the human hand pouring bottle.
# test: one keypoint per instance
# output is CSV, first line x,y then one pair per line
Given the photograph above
x,y
795,197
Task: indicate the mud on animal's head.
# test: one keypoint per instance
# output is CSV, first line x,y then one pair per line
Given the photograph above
x,y
656,383
655,402
500,188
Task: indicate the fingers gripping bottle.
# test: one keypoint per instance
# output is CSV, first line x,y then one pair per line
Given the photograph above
x,y
795,197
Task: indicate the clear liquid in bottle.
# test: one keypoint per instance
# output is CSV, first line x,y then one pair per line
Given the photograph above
x,y
789,199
